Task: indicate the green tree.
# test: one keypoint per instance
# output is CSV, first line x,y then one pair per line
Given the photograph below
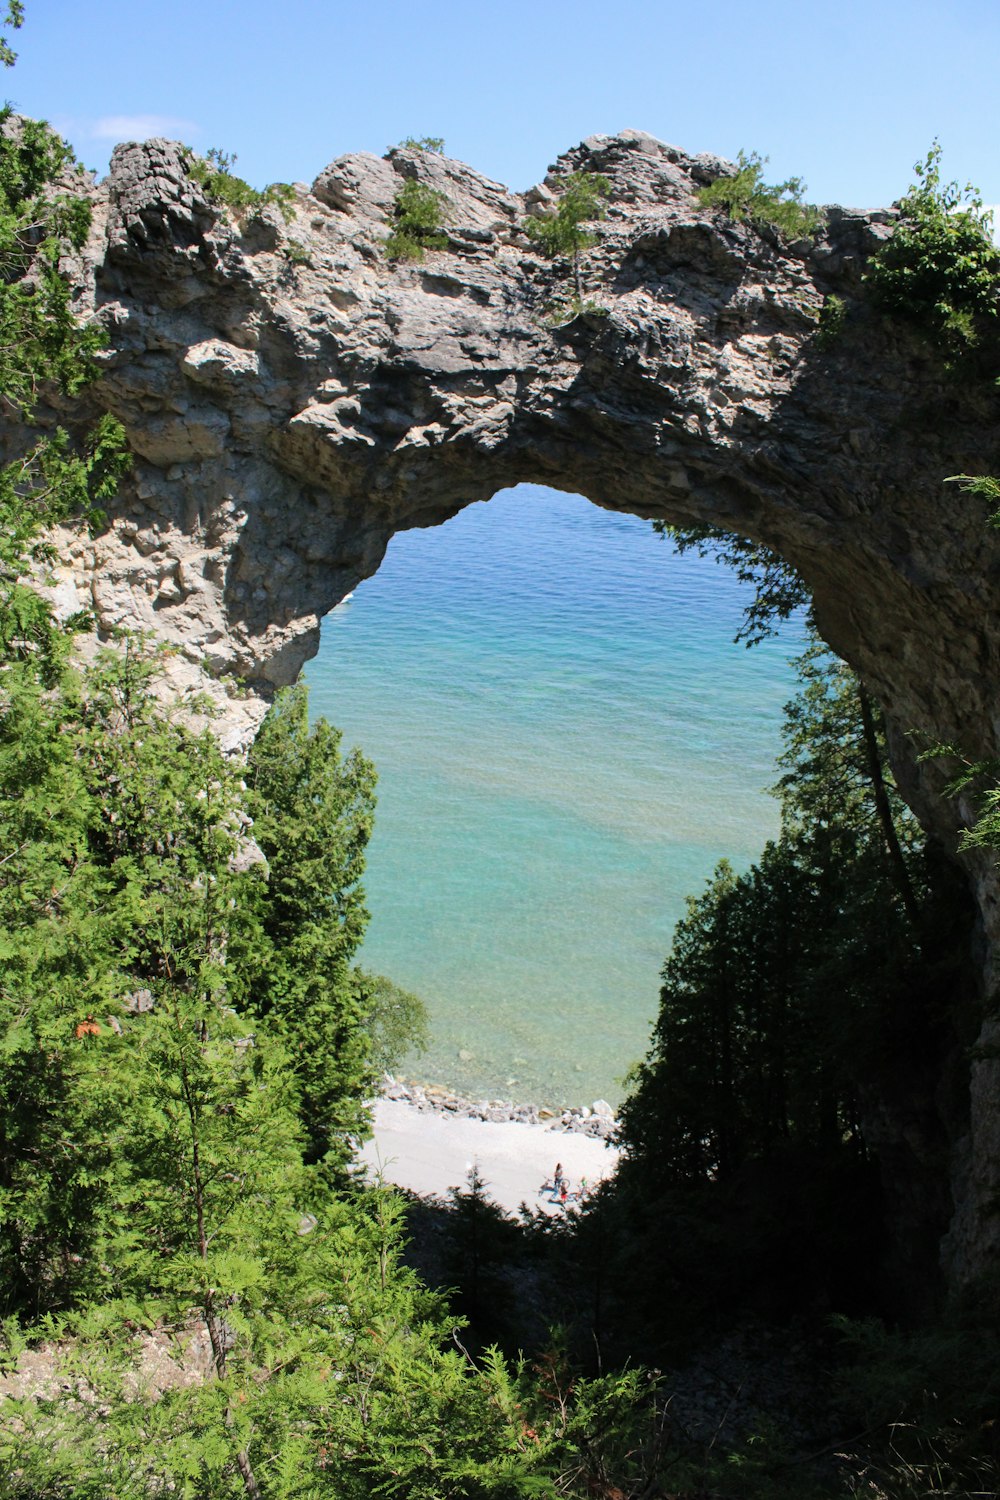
x,y
397,1020
748,1052
581,201
312,812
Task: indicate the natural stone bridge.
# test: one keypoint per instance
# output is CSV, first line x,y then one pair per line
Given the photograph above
x,y
294,399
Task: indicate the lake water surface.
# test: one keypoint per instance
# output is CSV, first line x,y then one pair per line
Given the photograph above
x,y
567,741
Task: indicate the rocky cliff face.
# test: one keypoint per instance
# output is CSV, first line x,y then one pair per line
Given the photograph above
x,y
293,400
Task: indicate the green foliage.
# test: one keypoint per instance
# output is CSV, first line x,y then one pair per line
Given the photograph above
x,y
581,202
296,253
181,1037
14,19
431,143
40,340
832,321
979,782
119,910
418,215
213,172
312,815
940,270
745,195
982,485
778,589
748,1056
397,1021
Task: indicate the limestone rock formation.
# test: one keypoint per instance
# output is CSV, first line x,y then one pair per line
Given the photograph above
x,y
294,399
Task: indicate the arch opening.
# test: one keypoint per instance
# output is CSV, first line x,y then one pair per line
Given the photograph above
x,y
568,740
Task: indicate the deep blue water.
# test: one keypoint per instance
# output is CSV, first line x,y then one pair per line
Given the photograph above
x,y
567,741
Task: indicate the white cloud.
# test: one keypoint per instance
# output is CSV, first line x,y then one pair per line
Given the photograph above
x,y
141,127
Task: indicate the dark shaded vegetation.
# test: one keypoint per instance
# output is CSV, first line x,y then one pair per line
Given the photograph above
x,y
753,1196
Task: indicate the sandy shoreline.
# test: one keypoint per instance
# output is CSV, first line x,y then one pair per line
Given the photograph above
x,y
428,1152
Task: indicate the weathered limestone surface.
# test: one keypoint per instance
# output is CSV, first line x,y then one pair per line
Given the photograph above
x,y
293,400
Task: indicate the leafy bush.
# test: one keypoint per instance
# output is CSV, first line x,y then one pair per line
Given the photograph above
x,y
295,253
562,310
418,214
832,320
213,173
940,270
397,1020
746,195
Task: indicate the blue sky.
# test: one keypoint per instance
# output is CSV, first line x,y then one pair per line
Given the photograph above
x,y
846,95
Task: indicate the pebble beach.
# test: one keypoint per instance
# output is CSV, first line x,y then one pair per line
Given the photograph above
x,y
427,1141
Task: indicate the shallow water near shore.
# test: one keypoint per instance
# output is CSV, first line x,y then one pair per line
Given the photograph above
x,y
567,740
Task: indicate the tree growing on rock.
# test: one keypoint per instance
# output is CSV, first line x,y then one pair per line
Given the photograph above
x,y
581,202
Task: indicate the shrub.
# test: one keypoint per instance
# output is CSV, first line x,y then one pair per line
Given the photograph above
x,y
746,195
418,214
832,319
985,486
434,143
213,173
940,270
296,253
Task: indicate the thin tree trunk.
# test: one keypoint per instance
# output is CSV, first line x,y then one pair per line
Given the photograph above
x,y
250,1484
897,863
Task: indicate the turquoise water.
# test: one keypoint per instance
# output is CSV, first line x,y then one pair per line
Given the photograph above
x,y
567,741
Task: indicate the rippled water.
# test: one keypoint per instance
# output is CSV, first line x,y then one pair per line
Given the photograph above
x,y
567,742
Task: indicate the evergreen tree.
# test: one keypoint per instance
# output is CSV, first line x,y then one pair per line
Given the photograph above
x,y
777,978
581,201
312,815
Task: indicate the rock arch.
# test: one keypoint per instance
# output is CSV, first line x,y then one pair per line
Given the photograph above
x,y
293,400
